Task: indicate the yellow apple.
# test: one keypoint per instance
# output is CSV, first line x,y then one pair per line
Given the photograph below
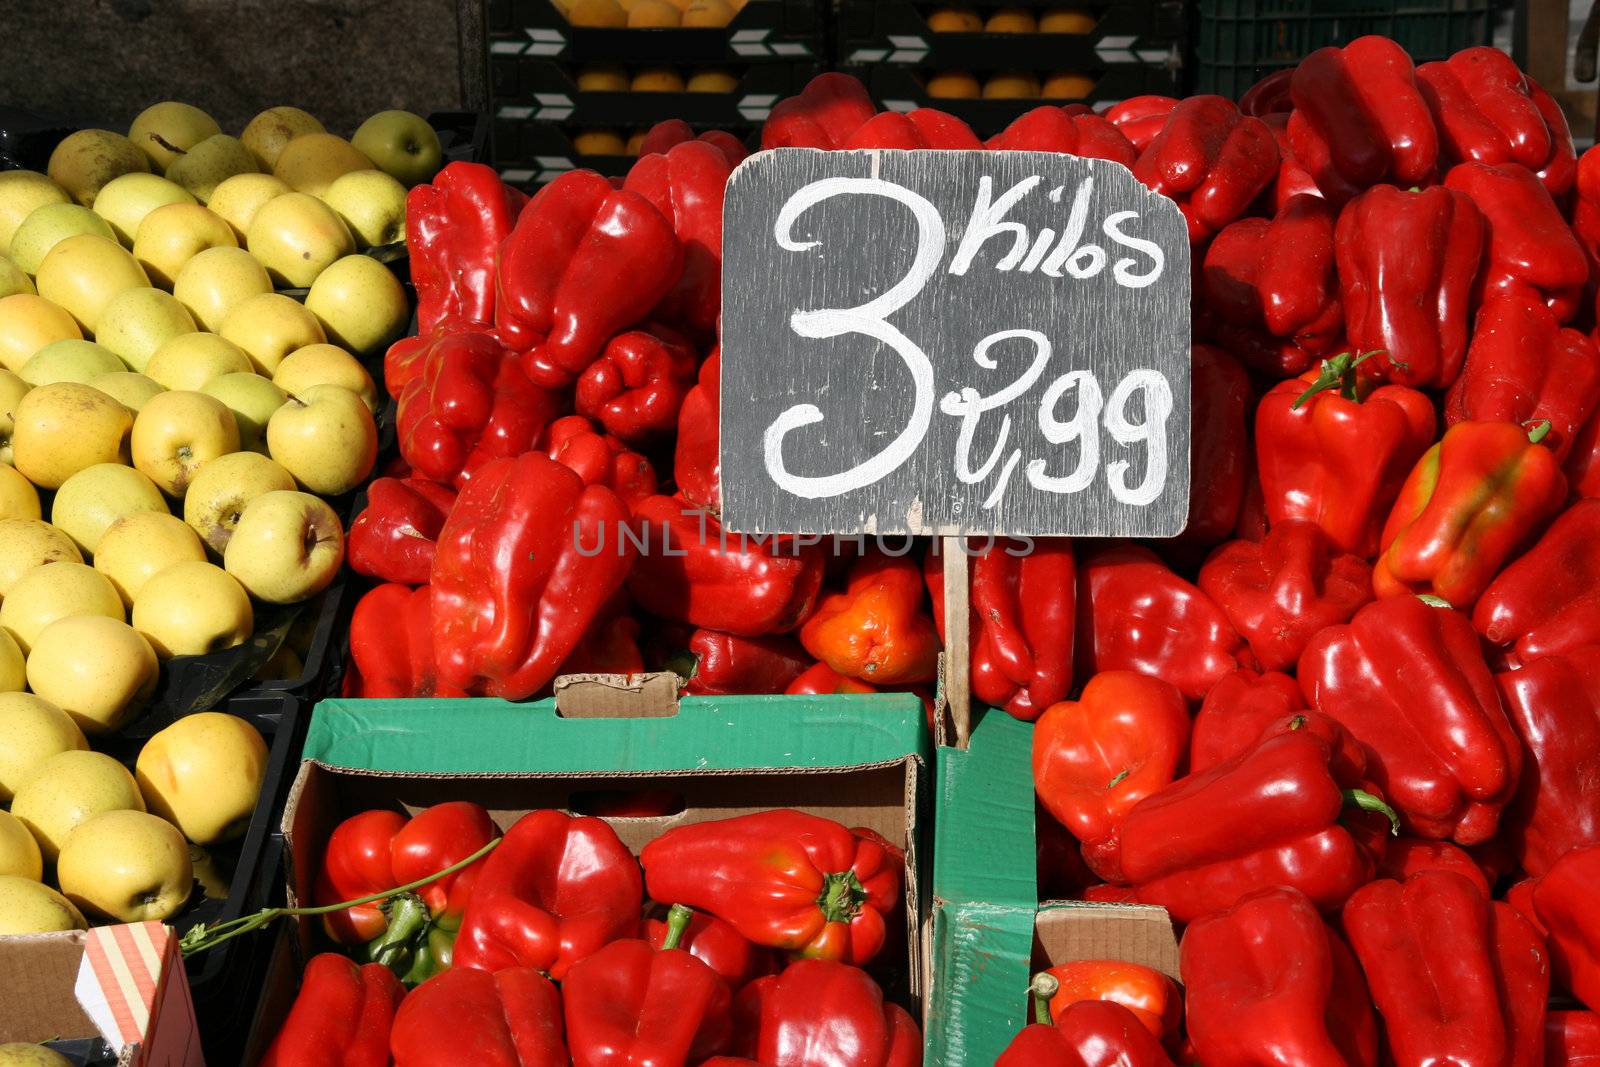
x,y
177,433
237,200
296,237
140,546
128,866
325,437
218,280
129,388
287,547
169,237
210,163
69,361
21,191
100,671
31,731
325,365
90,501
56,591
275,127
164,131
311,162
269,327
62,428
12,390
372,204
19,852
13,667
27,324
193,359
125,202
360,304
403,146
219,493
48,226
138,322
85,161
13,279
29,543
68,789
18,498
252,399
191,609
28,906
85,273
203,774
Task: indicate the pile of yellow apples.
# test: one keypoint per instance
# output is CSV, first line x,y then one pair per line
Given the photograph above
x,y
650,14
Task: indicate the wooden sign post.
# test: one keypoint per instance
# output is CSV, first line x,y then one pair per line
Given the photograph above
x,y
961,344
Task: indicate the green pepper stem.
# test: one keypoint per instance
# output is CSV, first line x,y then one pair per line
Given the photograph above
x,y
678,918
407,916
842,897
1044,986
1434,601
1364,800
1336,372
1538,431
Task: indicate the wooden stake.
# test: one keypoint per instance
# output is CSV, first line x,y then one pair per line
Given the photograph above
x,y
957,639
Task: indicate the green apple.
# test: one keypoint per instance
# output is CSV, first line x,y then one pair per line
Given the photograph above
x,y
56,591
270,326
219,493
275,127
90,501
191,609
13,279
325,365
140,546
49,225
287,547
136,323
129,388
325,437
296,237
166,130
238,199
218,280
252,399
171,236
125,202
83,274
403,145
85,161
177,433
311,162
210,163
372,204
66,790
69,361
21,192
193,359
360,304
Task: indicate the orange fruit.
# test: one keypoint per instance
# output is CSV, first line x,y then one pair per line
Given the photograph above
x,y
955,20
599,143
1066,85
602,80
712,81
654,15
657,80
1066,20
1011,20
1012,85
954,85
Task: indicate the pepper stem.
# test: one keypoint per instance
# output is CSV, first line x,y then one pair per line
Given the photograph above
x,y
678,918
1044,986
1537,430
1360,798
1336,372
407,916
1434,601
842,897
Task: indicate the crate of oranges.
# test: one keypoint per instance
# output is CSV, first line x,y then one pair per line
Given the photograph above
x,y
653,32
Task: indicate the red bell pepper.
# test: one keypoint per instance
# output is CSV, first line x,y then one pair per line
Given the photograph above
x,y
1151,996
1142,118
717,664
1457,979
393,538
1470,502
525,563
876,629
1487,112
826,112
600,459
1094,758
716,944
1523,367
1359,118
696,461
1269,96
1237,711
454,227
1409,681
686,184
1135,614
1572,1039
1531,250
511,1018
690,570
610,645
1281,591
664,135
636,387
1408,261
1212,160
820,680
1268,982
585,262
1055,129
1088,1033
1406,856
556,889
1564,897
783,879
391,645
341,1016
1293,178
1023,601
632,1003
1221,400
1554,704
469,403
1583,463
925,127
823,1012
1548,601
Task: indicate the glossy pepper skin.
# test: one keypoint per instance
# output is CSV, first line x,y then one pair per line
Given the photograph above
x,y
692,571
1220,401
1488,111
1211,159
1531,251
525,562
686,183
1469,503
669,132
391,644
1089,1033
1333,450
826,112
1583,462
1267,982
1096,757
633,1003
876,630
1457,979
600,459
720,664
1410,682
1135,613
718,945
1279,592
783,879
1554,704
696,462
1058,129
394,536
1572,1039
556,889
511,1018
823,1012
340,1017
1564,899
1548,601
925,127
1151,996
1141,118
1360,119
1237,711
585,262
454,226
1408,261
1406,856
636,387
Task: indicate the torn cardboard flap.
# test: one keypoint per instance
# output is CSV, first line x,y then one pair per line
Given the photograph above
x,y
617,696
1066,931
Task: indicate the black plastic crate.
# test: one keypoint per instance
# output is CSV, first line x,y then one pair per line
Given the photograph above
x,y
529,153
766,30
1237,42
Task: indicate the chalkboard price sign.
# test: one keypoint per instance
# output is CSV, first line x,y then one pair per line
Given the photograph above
x,y
953,343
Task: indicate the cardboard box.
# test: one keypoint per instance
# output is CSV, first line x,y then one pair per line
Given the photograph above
x,y
988,930
122,984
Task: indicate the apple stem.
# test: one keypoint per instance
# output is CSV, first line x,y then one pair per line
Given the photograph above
x,y
168,145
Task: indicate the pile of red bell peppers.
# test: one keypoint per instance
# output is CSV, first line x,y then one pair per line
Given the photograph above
x,y
741,941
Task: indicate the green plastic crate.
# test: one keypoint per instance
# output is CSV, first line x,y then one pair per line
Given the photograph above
x,y
1238,42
